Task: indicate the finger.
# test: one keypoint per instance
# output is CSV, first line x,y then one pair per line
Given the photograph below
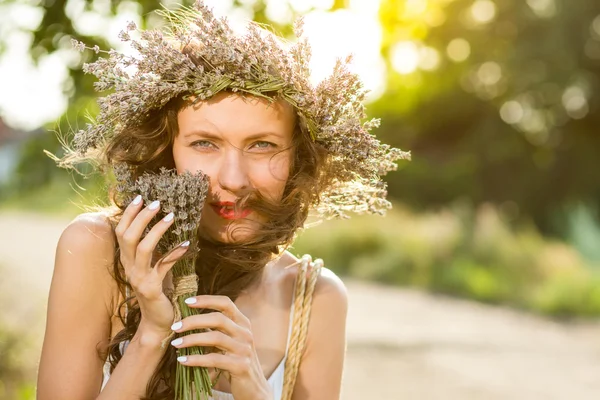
x,y
214,360
145,248
128,215
212,338
214,320
131,237
224,304
164,265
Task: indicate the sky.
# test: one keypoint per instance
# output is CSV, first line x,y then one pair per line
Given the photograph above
x,y
31,96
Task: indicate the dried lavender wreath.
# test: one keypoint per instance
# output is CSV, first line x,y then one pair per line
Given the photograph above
x,y
256,63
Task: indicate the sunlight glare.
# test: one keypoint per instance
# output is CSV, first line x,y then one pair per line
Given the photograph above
x,y
429,59
575,102
458,50
303,6
489,73
278,11
512,112
363,43
415,8
483,11
543,8
405,57
595,27
31,95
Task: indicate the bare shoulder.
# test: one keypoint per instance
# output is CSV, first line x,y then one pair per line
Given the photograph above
x,y
86,248
79,310
90,230
320,373
328,288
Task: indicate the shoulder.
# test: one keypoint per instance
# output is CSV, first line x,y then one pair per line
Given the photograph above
x,y
79,308
329,307
320,371
328,285
89,229
329,303
86,249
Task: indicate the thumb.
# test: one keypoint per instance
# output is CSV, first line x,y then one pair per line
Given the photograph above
x,y
165,263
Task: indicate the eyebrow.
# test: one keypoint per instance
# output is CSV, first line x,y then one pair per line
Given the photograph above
x,y
211,135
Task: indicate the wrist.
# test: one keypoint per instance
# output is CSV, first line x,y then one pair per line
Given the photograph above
x,y
150,338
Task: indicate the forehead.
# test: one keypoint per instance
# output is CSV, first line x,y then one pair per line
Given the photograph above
x,y
229,113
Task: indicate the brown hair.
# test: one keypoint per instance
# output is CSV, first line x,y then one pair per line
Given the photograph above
x,y
222,268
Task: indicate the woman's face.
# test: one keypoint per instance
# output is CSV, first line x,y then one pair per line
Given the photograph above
x,y
243,144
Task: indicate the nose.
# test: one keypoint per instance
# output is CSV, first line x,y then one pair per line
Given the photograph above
x,y
233,172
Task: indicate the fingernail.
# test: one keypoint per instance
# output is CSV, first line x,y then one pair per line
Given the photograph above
x,y
154,205
185,244
190,300
137,200
177,342
176,325
182,359
169,217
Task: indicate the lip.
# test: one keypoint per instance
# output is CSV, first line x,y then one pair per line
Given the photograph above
x,y
224,209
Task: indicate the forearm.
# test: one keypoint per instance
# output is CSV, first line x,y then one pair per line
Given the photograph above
x,y
133,372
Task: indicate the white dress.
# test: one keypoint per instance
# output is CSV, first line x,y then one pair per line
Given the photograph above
x,y
275,380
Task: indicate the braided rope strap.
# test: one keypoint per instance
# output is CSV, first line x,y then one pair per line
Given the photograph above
x,y
305,284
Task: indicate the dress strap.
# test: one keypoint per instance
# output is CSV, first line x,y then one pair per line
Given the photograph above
x,y
305,284
291,321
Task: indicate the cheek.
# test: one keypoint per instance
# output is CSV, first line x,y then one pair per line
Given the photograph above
x,y
280,166
272,175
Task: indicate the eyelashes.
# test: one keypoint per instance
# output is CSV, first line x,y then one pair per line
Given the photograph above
x,y
202,144
261,145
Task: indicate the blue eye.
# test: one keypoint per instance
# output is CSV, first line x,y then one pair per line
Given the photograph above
x,y
264,145
204,144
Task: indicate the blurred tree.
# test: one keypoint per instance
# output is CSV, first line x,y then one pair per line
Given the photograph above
x,y
498,100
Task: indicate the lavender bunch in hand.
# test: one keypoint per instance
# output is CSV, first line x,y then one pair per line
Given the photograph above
x,y
184,196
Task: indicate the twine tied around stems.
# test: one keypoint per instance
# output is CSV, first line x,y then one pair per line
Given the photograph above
x,y
182,285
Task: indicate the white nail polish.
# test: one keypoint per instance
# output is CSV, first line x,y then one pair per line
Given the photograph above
x,y
190,300
169,217
177,342
182,359
137,200
176,325
154,205
185,244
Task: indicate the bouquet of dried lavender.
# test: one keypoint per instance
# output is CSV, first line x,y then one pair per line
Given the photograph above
x,y
183,195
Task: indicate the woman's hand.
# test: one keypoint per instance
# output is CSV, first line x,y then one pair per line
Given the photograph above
x,y
231,332
136,258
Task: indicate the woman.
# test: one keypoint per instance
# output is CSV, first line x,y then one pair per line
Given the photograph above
x,y
241,110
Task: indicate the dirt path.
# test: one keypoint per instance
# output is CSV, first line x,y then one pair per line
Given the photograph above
x,y
402,344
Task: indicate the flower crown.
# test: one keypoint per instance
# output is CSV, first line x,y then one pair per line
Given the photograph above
x,y
256,63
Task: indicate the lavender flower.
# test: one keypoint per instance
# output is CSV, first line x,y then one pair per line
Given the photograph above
x,y
181,194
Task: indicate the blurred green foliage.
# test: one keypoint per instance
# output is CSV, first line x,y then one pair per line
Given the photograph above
x,y
510,113
18,365
460,251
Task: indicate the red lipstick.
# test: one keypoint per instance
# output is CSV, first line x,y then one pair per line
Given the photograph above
x,y
226,210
